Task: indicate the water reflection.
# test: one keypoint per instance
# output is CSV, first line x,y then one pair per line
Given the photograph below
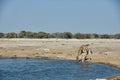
x,y
85,65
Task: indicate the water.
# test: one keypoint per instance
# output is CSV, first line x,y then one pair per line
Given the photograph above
x,y
38,69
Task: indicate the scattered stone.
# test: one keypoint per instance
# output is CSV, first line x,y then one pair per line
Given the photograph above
x,y
46,50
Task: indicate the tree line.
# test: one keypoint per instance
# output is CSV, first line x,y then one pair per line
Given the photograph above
x,y
62,35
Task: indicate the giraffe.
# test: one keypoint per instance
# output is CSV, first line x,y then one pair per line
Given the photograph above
x,y
83,49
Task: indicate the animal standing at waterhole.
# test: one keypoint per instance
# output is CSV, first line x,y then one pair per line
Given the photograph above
x,y
83,53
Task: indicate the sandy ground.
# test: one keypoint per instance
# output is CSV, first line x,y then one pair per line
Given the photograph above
x,y
105,51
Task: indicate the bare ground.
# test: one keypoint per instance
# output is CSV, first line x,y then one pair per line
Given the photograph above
x,y
106,51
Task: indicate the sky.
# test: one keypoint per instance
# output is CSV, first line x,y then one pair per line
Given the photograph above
x,y
83,16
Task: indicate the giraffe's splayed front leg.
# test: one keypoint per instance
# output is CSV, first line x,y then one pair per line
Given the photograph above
x,y
83,53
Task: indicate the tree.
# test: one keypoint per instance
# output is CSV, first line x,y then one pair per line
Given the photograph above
x,y
11,35
1,35
88,36
105,36
117,36
42,35
79,36
58,35
67,35
50,35
35,35
29,34
55,35
22,34
96,35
